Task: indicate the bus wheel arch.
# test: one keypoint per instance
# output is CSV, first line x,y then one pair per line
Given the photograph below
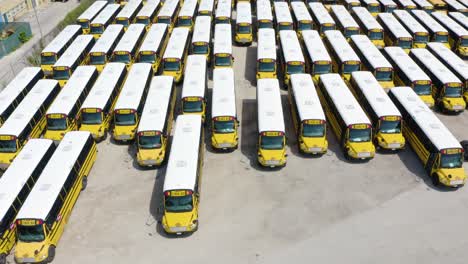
x,y
84,182
50,254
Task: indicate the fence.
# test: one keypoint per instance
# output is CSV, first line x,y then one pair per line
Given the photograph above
x,y
13,35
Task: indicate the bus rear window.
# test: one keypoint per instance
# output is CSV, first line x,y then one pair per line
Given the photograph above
x,y
359,135
149,142
91,118
125,119
8,146
31,233
56,123
272,142
310,130
178,204
451,160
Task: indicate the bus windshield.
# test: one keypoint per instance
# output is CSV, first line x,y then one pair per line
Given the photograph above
x,y
383,75
351,31
193,106
376,35
122,22
291,69
56,124
266,66
97,30
184,22
348,68
149,142
83,24
171,65
359,135
304,25
48,60
124,58
143,20
451,160
422,89
322,68
178,203
148,58
265,24
164,20
327,26
464,42
200,49
224,126
453,92
30,233
244,29
390,127
125,119
405,44
91,118
272,142
61,74
8,146
310,130
440,38
97,59
373,8
421,38
222,60
286,27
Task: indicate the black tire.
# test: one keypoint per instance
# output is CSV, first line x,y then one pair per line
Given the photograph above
x,y
3,259
435,180
51,254
84,182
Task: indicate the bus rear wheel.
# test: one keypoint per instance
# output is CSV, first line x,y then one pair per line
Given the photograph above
x,y
51,254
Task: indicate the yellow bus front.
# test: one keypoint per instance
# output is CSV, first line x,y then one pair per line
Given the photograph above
x,y
462,47
293,67
264,23
145,20
448,168
185,21
349,31
95,122
358,142
125,124
180,211
151,148
441,37
266,68
124,21
224,132
384,76
347,67
223,60
244,33
62,74
377,37
272,149
285,26
150,57
9,147
423,88
312,137
173,67
420,39
48,59
223,20
452,97
438,4
194,106
389,133
99,60
58,125
34,245
96,29
405,43
319,68
166,20
374,9
304,25
84,23
123,57
201,48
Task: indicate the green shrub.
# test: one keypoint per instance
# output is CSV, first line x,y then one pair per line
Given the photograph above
x,y
23,37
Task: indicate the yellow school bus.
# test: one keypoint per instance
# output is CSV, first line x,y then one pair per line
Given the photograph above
x,y
222,50
41,221
307,115
345,59
395,33
418,32
127,15
173,62
437,33
155,125
318,61
243,28
101,53
84,20
291,58
103,20
126,49
195,86
224,123
266,53
201,39
152,48
182,184
369,26
187,14
458,35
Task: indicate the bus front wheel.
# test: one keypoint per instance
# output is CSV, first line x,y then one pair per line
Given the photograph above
x,y
3,259
84,182
51,254
435,179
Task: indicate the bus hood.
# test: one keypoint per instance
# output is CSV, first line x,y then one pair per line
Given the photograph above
x,y
179,222
452,177
30,252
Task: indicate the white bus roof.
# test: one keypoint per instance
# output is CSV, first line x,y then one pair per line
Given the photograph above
x,y
62,38
314,46
25,111
341,46
92,10
223,8
74,51
388,3
290,46
206,5
428,21
432,127
450,24
188,8
409,21
423,3
176,45
344,16
107,39
407,3
194,77
266,48
181,173
306,97
460,18
368,2
270,109
464,2
435,66
53,177
222,39
17,86
106,14
343,100
406,64
282,12
264,10
130,9
149,8
134,86
320,13
450,58
130,38
18,173
202,29
71,92
223,102
300,11
104,86
371,52
244,12
455,5
376,96
366,18
394,26
169,8
154,37
156,107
